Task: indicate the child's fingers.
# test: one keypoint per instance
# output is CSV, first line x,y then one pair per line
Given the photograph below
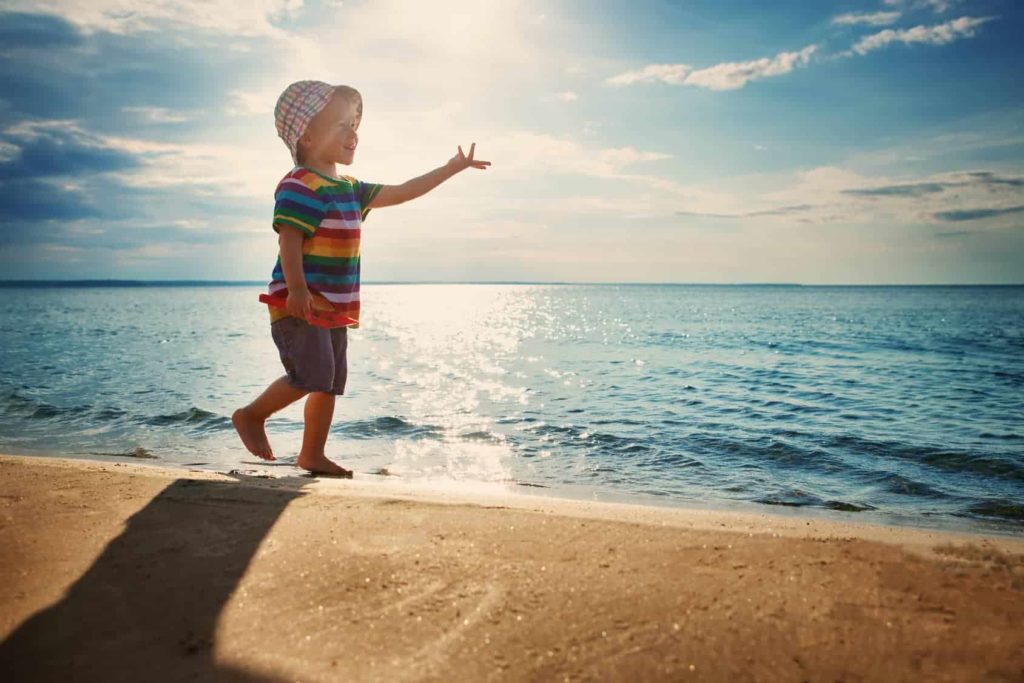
x,y
472,149
461,155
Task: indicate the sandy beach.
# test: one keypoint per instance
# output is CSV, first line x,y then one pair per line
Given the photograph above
x,y
126,572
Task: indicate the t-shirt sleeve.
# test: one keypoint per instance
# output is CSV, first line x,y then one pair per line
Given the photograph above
x,y
298,206
365,192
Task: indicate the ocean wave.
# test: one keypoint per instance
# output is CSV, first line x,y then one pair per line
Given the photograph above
x,y
799,498
999,508
15,404
1001,437
389,426
771,450
905,486
946,459
1014,379
580,435
481,436
195,418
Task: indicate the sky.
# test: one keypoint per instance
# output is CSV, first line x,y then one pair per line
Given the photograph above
x,y
815,142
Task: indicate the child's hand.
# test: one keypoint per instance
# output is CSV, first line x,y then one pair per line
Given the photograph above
x,y
461,162
299,303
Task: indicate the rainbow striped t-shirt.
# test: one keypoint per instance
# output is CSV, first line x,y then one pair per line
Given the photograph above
x,y
329,212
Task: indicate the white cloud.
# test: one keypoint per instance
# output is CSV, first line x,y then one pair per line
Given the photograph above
x,y
203,168
673,74
866,18
724,76
253,102
423,97
161,114
61,253
625,156
939,6
940,34
30,130
734,75
251,18
447,74
835,195
8,152
567,97
155,251
200,168
524,152
437,48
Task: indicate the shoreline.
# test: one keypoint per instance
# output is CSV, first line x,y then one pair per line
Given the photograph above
x,y
115,570
472,491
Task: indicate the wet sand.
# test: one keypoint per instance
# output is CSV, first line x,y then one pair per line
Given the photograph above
x,y
128,572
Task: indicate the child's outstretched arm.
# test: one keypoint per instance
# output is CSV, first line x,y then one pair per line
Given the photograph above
x,y
390,195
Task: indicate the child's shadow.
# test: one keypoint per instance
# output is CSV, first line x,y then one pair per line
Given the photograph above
x,y
148,606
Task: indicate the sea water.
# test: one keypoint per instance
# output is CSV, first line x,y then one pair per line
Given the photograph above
x,y
901,403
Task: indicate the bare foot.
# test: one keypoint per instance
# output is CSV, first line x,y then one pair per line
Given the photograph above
x,y
253,435
321,465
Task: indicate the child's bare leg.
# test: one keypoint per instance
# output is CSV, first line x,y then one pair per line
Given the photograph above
x,y
318,413
249,420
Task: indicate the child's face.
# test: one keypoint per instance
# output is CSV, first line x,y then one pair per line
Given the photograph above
x,y
332,137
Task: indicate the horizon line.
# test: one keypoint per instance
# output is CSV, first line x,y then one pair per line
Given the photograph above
x,y
126,282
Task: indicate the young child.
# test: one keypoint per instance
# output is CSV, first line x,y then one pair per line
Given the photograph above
x,y
317,216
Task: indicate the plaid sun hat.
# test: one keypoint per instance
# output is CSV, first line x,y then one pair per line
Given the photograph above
x,y
296,107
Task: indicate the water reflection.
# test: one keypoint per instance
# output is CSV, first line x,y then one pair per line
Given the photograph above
x,y
459,347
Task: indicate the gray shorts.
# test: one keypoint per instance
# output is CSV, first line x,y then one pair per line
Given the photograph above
x,y
315,358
